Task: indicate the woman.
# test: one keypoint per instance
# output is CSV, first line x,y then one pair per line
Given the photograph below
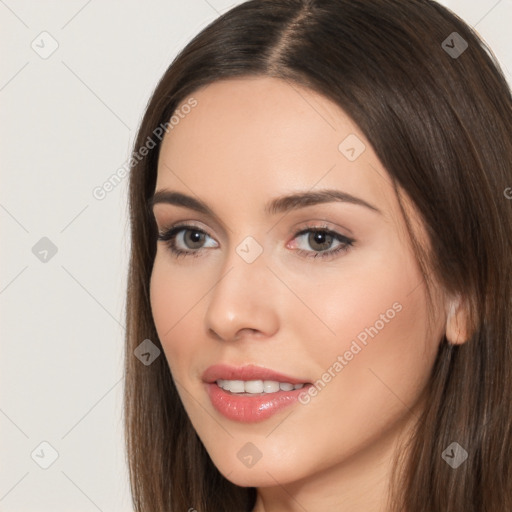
x,y
321,254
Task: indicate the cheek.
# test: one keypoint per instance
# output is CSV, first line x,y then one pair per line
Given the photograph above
x,y
371,330
173,297
374,295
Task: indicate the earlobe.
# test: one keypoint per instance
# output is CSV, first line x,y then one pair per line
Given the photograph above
x,y
456,322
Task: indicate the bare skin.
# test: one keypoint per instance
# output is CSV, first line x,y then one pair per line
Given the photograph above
x,y
246,142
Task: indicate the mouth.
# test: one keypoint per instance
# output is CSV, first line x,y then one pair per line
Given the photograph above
x,y
251,393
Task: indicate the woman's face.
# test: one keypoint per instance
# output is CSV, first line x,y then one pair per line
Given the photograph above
x,y
323,291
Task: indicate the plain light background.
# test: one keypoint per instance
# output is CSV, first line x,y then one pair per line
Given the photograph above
x,y
67,124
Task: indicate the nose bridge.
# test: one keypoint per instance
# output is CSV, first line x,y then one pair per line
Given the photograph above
x,y
242,297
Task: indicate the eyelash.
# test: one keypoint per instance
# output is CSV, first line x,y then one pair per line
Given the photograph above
x,y
169,236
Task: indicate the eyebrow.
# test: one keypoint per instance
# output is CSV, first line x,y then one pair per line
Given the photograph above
x,y
280,204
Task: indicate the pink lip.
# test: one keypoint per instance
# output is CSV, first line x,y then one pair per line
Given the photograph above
x,y
246,408
248,372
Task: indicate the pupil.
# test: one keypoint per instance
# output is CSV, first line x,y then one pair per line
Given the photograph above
x,y
195,237
320,238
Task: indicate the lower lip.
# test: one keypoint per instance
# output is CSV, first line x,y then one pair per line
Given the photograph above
x,y
251,409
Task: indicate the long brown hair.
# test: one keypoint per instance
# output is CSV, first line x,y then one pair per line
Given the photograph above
x,y
438,114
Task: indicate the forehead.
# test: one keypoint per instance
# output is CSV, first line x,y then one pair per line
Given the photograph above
x,y
263,115
265,136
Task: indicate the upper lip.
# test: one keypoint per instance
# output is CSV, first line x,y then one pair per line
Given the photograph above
x,y
248,372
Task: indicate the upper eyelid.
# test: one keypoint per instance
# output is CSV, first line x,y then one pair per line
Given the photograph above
x,y
184,225
219,225
166,228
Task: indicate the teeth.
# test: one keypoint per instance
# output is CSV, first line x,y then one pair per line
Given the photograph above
x,y
256,386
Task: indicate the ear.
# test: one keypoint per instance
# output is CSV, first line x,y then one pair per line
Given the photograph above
x,y
456,321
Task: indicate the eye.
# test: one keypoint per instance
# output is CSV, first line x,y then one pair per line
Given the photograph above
x,y
184,240
189,240
320,239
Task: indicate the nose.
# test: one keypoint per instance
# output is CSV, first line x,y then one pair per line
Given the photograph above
x,y
243,300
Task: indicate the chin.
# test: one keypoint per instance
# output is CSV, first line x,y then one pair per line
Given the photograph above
x,y
266,472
